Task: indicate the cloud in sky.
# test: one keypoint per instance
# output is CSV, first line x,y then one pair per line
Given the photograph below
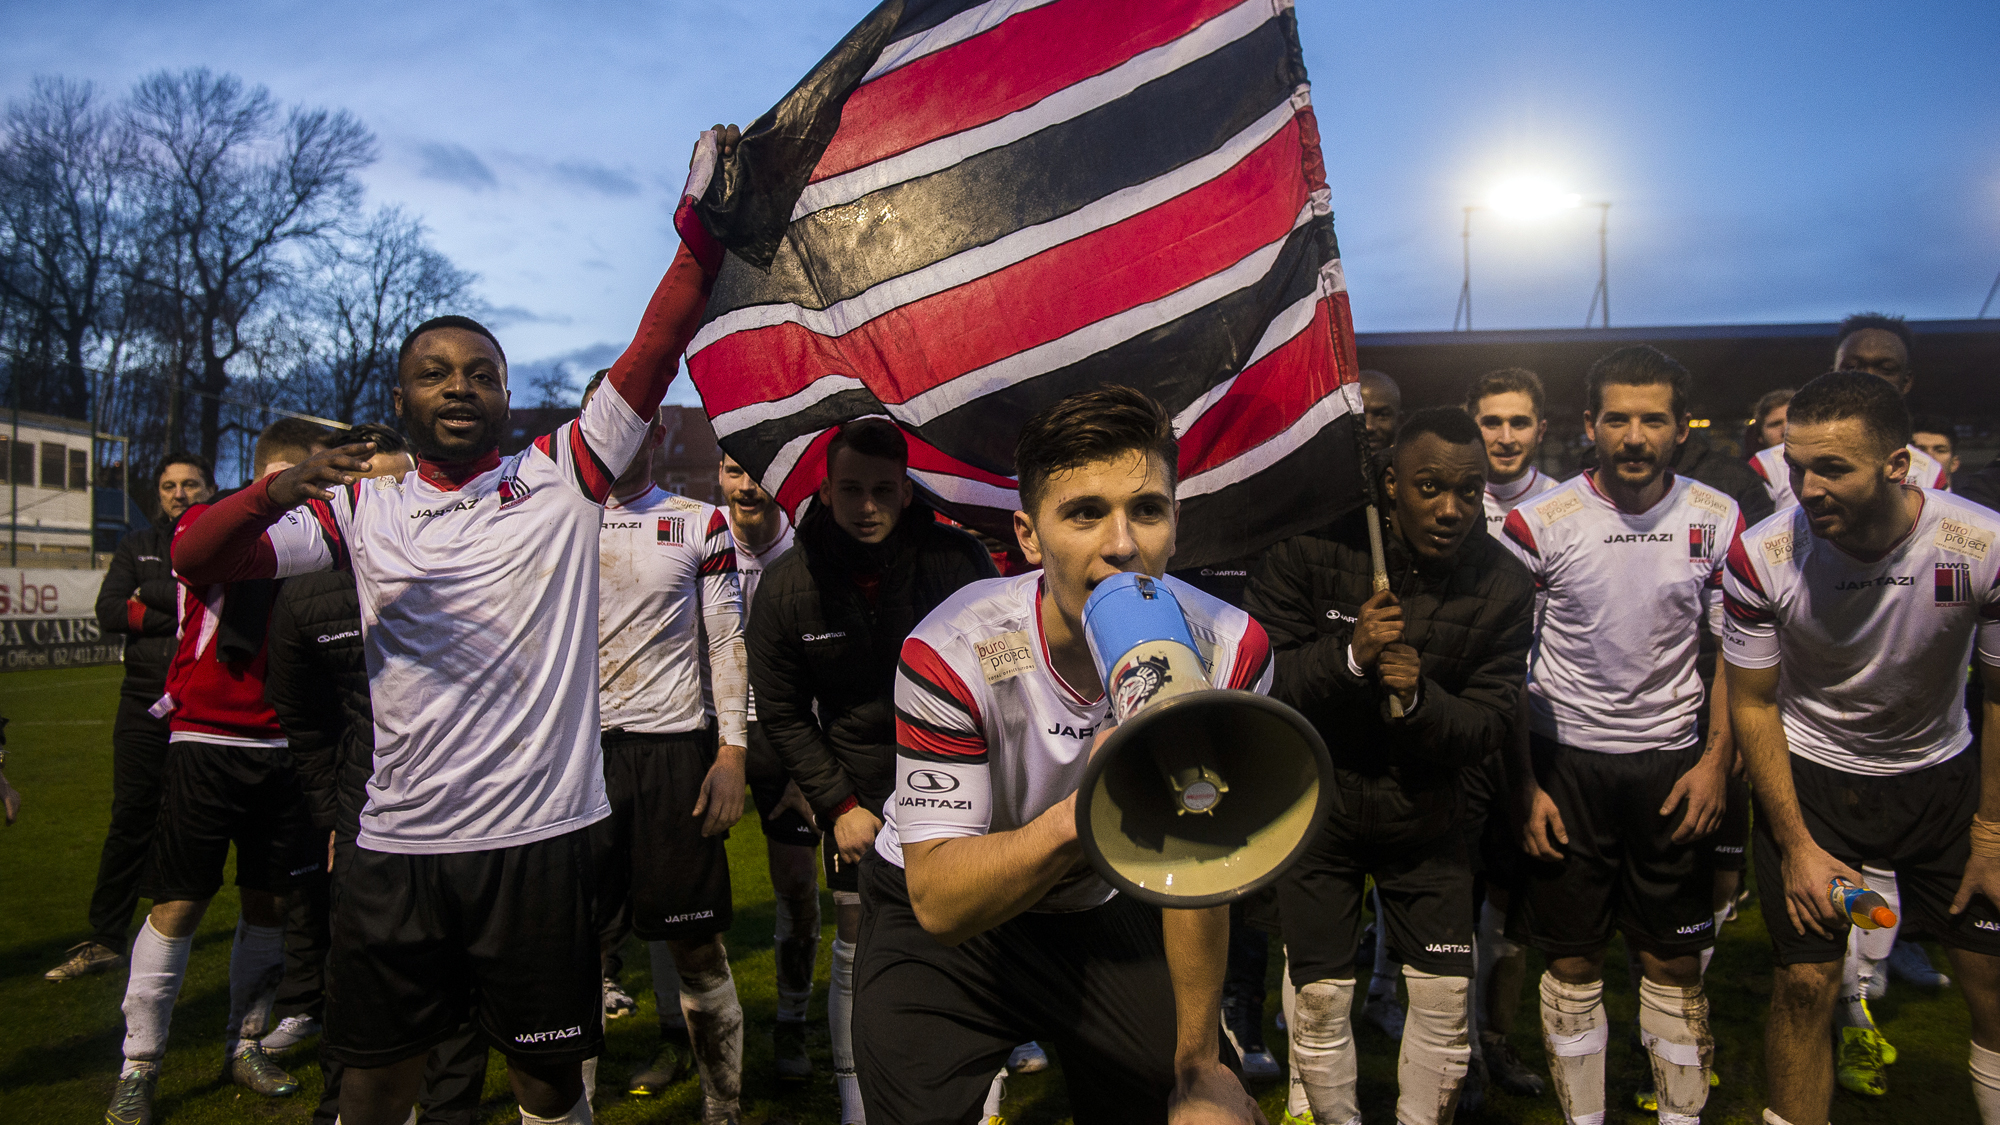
x,y
455,164
597,177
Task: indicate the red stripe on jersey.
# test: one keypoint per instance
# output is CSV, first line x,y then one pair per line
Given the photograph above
x,y
1738,562
547,444
1517,530
592,475
927,741
1746,614
923,662
718,524
721,562
330,528
1943,481
1757,466
1253,653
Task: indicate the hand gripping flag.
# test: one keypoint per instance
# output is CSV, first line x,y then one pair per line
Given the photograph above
x,y
967,211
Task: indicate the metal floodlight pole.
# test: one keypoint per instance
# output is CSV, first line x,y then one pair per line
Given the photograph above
x,y
1465,287
1600,298
1989,298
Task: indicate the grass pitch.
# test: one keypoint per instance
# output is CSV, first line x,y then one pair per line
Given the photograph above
x,y
59,1043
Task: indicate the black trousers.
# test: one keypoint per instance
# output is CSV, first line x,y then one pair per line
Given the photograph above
x,y
308,936
138,758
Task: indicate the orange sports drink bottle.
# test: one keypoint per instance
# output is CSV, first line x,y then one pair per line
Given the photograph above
x,y
1863,907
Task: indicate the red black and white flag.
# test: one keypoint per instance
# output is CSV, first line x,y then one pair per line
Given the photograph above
x,y
970,210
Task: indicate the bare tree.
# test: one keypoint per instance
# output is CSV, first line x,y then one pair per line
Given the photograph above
x,y
64,222
233,196
372,289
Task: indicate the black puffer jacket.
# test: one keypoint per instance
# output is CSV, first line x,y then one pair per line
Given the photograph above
x,y
1471,622
815,639
316,679
141,567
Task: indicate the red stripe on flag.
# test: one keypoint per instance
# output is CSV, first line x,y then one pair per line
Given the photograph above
x,y
929,342
1015,65
1266,399
924,661
928,458
806,473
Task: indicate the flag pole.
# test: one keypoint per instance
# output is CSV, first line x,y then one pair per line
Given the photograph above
x,y
1375,554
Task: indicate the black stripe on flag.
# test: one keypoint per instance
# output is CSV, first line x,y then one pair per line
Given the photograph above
x,y
1303,490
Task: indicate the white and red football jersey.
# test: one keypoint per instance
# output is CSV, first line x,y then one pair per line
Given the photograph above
x,y
669,618
1613,665
1769,464
1871,654
1503,498
479,611
989,736
750,566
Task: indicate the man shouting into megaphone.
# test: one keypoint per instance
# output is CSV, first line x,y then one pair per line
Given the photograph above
x,y
983,925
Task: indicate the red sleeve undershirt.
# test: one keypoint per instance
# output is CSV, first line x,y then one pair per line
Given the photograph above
x,y
648,365
226,543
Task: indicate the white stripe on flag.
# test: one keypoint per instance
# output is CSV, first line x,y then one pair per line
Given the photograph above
x,y
1093,337
1282,328
956,30
1071,101
1345,400
781,466
963,490
815,392
842,317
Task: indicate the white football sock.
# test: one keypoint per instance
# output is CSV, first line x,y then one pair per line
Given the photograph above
x,y
1435,1050
159,963
840,1024
796,937
715,1028
590,1080
1323,1055
994,1094
1986,1084
256,965
1288,1002
579,1114
666,987
1575,1032
1673,1024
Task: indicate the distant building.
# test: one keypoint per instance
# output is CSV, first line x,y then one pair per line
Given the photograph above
x,y
686,464
45,465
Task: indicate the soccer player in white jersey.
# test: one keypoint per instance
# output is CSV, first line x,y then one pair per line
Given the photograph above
x,y
672,678
1512,411
983,924
1630,558
1879,345
472,890
1851,619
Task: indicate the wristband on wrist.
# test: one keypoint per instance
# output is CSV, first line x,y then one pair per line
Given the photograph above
x,y
846,806
1985,838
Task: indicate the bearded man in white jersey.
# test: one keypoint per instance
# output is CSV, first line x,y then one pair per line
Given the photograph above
x,y
469,894
1621,783
672,678
1851,619
1510,407
983,925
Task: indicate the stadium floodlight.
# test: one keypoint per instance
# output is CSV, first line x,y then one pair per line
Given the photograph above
x,y
1530,197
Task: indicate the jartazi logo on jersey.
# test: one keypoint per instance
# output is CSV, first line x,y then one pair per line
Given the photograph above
x,y
1446,947
549,1036
464,505
1696,928
1964,539
1568,504
1642,537
1005,656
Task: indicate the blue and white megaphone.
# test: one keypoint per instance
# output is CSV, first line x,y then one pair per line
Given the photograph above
x,y
1201,795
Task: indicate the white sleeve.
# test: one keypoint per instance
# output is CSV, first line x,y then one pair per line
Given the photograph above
x,y
300,543
721,596
1989,625
944,788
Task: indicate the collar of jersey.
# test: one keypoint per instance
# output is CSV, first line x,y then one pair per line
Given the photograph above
x,y
612,503
453,476
1896,548
1528,480
1590,482
1043,640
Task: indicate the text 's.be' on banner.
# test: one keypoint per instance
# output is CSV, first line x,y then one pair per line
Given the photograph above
x,y
970,210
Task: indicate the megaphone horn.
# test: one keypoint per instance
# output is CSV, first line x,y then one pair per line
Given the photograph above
x,y
1200,795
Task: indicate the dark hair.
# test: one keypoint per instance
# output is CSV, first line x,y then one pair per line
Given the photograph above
x,y
1447,422
1838,395
1640,365
386,438
295,437
1093,425
1862,321
1770,401
185,457
870,437
1932,424
591,387
436,322
1516,380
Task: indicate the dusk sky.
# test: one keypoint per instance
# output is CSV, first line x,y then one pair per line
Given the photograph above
x,y
1765,162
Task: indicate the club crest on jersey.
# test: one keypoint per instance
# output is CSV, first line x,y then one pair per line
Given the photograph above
x,y
512,491
1953,583
1139,682
1701,542
672,531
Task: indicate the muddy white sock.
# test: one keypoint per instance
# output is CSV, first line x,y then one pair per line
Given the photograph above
x,y
666,989
840,1025
715,1028
159,963
590,1080
1575,1033
579,1114
1986,1084
796,937
1323,1054
1435,1051
256,965
1288,1003
994,1094
1673,1024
